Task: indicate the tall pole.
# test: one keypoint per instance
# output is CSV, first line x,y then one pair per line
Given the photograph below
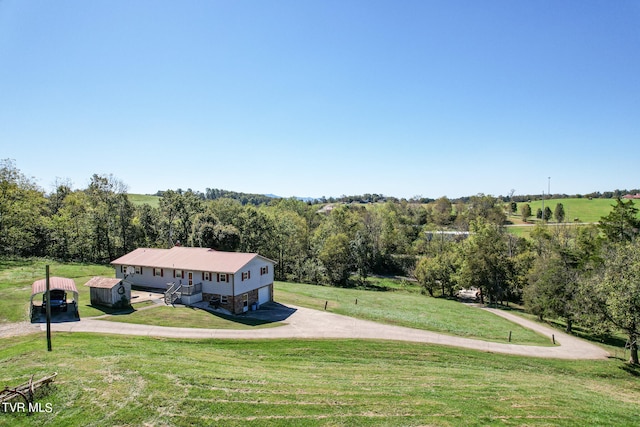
x,y
48,310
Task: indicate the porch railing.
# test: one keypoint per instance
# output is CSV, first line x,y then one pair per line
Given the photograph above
x,y
194,289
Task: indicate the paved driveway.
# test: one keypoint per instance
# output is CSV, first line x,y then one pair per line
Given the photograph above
x,y
300,322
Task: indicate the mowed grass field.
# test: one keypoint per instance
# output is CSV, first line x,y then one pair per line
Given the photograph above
x,y
410,310
577,211
582,210
120,380
115,380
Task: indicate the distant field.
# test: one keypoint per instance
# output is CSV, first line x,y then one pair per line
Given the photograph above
x,y
584,210
576,210
141,199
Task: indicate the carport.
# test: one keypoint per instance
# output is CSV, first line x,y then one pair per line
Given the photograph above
x,y
55,283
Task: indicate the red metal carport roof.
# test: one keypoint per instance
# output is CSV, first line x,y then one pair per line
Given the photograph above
x,y
40,286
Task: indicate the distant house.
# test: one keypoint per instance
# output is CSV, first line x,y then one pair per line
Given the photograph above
x,y
231,280
632,196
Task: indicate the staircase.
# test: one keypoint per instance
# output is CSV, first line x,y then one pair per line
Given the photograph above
x,y
172,294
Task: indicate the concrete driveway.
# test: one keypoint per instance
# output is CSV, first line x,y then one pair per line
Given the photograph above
x,y
300,322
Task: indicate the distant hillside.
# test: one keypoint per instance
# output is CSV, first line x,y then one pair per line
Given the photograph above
x,y
141,199
576,206
216,193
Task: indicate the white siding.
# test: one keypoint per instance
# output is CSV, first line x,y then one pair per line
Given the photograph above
x,y
147,279
256,280
216,288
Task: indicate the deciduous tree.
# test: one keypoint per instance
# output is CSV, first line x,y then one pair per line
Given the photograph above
x,y
486,264
612,295
525,211
335,257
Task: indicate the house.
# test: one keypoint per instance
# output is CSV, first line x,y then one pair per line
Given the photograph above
x,y
109,292
234,281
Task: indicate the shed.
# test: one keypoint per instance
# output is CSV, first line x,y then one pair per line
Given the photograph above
x,y
109,292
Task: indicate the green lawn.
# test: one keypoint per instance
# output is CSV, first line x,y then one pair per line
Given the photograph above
x,y
17,276
411,310
116,380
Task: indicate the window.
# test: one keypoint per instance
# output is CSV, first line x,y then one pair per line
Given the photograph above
x,y
224,299
246,275
138,270
222,277
178,273
206,276
158,272
264,270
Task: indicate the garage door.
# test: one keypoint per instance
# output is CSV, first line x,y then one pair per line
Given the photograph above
x,y
264,295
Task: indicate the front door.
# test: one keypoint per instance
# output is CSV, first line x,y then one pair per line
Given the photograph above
x,y
190,275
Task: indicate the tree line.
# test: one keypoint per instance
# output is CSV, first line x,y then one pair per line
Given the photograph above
x,y
585,274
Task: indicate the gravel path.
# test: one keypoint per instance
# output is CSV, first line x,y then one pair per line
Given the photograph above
x,y
307,323
15,329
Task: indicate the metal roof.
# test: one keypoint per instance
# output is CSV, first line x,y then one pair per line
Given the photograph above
x,y
102,282
184,258
40,286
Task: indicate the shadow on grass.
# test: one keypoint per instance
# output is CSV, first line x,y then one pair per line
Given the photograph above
x,y
267,313
112,310
243,320
506,308
633,370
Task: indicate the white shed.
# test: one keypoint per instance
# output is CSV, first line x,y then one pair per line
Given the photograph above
x,y
109,292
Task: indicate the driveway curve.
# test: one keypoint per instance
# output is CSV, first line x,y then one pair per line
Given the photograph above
x,y
308,323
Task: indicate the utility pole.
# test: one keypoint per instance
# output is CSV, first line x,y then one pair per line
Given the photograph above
x,y
48,310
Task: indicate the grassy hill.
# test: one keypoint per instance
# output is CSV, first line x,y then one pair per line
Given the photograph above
x,y
582,210
120,380
140,199
577,210
109,380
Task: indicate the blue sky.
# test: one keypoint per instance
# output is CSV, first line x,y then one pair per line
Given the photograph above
x,y
324,98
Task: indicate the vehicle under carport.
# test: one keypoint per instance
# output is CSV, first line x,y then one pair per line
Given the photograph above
x,y
60,288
